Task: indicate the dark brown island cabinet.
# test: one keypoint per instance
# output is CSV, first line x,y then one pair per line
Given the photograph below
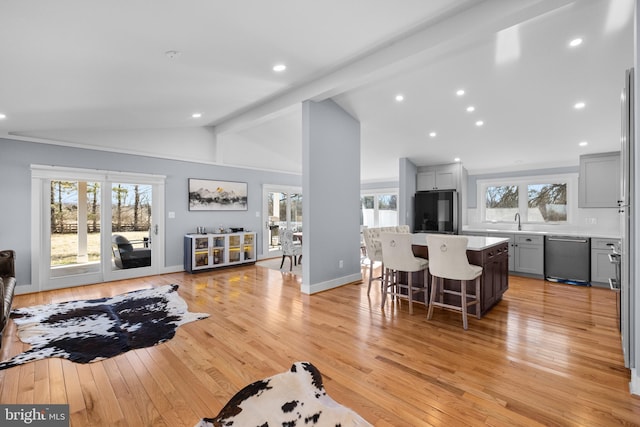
x,y
492,254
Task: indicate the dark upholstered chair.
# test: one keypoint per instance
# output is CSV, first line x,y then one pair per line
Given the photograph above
x,y
7,286
126,256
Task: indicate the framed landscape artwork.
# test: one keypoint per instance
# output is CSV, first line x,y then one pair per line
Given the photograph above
x,y
210,195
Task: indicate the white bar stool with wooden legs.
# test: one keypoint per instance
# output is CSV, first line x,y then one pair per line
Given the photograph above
x,y
448,260
397,256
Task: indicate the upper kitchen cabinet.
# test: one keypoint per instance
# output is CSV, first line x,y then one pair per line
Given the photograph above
x,y
599,182
440,177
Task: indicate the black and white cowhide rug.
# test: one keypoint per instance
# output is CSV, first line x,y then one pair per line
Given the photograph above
x,y
293,398
91,330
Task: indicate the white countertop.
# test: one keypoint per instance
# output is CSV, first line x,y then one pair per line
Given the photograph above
x,y
475,243
559,232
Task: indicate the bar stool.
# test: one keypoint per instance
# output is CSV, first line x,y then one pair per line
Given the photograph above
x,y
371,236
397,256
448,260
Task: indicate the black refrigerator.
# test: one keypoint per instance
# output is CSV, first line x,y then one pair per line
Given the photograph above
x,y
436,212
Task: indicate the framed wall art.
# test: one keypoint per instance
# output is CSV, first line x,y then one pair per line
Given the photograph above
x,y
211,195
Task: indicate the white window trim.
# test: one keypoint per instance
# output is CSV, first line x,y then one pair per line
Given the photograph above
x,y
381,192
572,195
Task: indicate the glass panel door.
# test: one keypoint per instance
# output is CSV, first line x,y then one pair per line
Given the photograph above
x,y
283,210
88,228
75,228
131,207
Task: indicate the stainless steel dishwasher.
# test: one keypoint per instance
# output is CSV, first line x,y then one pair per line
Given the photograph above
x,y
567,259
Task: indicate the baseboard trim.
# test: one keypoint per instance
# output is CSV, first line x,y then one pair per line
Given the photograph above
x,y
306,288
634,385
22,289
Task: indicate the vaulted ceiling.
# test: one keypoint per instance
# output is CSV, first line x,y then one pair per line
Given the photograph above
x,y
118,74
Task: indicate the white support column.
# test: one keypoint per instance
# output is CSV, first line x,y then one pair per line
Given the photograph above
x,y
83,255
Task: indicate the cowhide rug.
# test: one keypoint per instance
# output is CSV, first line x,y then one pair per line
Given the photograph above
x,y
91,330
293,398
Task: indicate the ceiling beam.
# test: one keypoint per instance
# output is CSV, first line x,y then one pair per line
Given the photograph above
x,y
470,24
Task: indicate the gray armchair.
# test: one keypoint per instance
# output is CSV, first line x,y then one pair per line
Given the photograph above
x,y
126,256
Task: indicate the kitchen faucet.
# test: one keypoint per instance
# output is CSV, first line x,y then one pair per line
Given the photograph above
x,y
517,218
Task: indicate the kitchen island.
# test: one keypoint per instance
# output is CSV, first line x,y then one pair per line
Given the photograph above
x,y
491,253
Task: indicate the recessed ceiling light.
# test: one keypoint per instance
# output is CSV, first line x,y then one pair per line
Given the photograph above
x,y
278,68
457,159
460,92
400,97
2,116
575,42
471,108
479,123
432,134
579,105
196,115
583,143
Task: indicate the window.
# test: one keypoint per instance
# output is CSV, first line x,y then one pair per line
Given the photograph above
x,y
542,199
379,209
547,202
501,202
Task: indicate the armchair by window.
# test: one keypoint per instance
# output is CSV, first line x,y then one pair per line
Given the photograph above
x,y
126,256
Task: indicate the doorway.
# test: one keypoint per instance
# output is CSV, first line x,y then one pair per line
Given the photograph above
x,y
282,208
94,226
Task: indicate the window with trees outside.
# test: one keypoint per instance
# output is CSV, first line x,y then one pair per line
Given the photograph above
x,y
537,200
379,209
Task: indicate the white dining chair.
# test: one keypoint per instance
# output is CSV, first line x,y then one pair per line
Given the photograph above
x,y
290,249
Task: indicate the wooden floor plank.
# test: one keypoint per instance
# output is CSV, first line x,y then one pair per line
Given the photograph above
x,y
547,354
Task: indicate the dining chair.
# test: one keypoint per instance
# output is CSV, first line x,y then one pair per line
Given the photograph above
x,y
398,257
448,262
290,249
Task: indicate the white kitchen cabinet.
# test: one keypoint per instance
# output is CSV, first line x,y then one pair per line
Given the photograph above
x,y
442,177
599,181
528,254
207,251
601,268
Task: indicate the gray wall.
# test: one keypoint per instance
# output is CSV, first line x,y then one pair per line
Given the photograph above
x,y
408,186
378,185
15,193
331,188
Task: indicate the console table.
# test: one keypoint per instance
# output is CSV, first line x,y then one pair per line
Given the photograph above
x,y
207,251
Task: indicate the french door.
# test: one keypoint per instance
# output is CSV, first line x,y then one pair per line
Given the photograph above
x,y
94,226
282,209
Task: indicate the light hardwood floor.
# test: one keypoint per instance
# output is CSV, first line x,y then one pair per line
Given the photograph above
x,y
548,354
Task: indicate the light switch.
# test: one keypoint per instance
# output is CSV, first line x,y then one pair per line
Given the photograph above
x,y
172,214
